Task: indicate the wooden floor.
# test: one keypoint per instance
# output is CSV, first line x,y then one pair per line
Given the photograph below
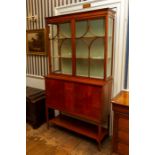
x,y
59,141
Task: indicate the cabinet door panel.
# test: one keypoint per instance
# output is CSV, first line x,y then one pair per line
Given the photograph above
x,y
55,94
69,96
87,101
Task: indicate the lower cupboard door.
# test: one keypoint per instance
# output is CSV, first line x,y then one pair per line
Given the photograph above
x,y
55,94
88,101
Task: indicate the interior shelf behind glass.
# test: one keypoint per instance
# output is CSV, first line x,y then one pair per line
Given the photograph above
x,y
82,67
66,66
96,68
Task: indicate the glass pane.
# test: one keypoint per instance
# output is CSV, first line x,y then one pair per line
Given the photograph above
x,y
109,68
110,33
81,28
66,48
66,65
82,67
97,48
81,49
96,27
53,31
96,68
61,50
65,30
56,65
110,28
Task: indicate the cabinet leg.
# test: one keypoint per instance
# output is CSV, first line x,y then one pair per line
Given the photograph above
x,y
47,119
99,145
108,124
99,138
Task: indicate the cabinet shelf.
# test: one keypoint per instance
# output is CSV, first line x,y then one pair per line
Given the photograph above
x,y
79,126
93,58
92,37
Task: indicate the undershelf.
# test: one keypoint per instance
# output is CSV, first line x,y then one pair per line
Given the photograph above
x,y
80,127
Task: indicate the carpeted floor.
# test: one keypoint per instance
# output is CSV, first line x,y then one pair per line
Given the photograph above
x,y
59,141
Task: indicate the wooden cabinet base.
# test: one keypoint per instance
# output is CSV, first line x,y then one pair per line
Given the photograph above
x,y
81,127
83,103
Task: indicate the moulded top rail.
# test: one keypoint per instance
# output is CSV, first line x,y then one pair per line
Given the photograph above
x,y
80,15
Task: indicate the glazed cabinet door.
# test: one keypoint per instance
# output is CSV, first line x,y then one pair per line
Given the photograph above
x,y
61,47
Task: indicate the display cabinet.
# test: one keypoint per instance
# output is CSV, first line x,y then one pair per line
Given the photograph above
x,y
80,51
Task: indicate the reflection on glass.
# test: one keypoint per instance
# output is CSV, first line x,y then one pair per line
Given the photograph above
x,y
81,49
54,31
66,48
109,68
96,68
65,30
96,27
54,48
82,67
110,28
66,66
97,48
81,28
56,65
110,47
